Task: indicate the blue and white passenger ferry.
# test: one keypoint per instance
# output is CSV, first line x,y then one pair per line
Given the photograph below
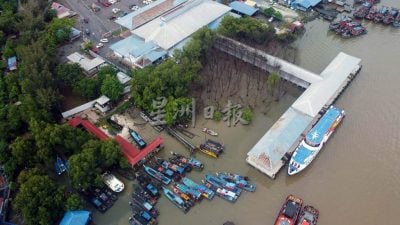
x,y
315,139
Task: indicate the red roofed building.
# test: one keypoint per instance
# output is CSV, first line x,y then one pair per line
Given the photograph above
x,y
134,156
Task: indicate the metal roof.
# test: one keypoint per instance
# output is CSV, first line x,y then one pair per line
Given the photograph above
x,y
147,13
173,27
123,78
76,218
279,138
86,63
243,8
134,46
306,3
334,76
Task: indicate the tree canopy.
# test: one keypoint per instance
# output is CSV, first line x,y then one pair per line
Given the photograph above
x,y
112,88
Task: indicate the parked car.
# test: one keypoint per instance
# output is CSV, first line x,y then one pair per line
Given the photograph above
x,y
87,32
133,7
116,10
104,40
99,45
106,4
112,1
112,18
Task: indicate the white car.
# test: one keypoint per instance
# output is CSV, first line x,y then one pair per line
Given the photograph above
x,y
99,45
104,40
113,183
134,7
112,1
116,10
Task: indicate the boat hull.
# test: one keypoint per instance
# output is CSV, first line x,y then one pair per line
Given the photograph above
x,y
305,153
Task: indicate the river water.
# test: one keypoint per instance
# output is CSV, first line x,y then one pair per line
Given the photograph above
x,y
354,180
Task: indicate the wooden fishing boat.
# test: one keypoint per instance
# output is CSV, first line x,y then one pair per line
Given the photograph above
x,y
209,131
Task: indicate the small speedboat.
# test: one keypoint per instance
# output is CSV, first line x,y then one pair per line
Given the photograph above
x,y
226,194
209,131
60,165
157,175
308,216
240,181
113,182
290,211
176,200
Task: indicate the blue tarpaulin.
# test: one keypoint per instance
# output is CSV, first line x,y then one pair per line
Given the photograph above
x,y
76,218
243,8
12,63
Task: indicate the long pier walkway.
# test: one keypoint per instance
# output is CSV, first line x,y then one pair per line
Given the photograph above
x,y
288,71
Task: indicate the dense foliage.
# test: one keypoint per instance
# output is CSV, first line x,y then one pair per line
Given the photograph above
x,y
246,29
271,12
173,77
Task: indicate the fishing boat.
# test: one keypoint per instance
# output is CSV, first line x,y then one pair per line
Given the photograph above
x,y
240,181
220,183
175,199
315,139
206,192
396,21
380,15
203,148
209,131
60,165
290,211
157,175
195,163
371,13
189,191
218,147
222,192
185,197
389,18
308,216
178,169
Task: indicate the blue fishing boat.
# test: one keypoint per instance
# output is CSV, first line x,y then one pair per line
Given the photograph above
x,y
60,166
240,181
223,184
206,192
315,139
175,199
157,175
189,191
222,192
195,163
138,139
178,169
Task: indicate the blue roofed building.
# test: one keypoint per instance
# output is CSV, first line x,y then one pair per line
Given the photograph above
x,y
135,51
242,8
304,5
163,26
76,218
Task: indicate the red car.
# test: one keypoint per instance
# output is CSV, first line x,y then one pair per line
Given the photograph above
x,y
106,4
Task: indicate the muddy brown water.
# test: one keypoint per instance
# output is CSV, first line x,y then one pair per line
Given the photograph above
x,y
354,180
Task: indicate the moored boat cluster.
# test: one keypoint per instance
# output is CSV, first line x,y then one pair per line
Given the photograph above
x,y
384,14
169,177
293,213
347,27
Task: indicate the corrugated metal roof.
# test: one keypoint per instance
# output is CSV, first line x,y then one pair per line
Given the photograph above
x,y
320,93
145,14
86,63
134,46
175,26
280,138
306,3
243,8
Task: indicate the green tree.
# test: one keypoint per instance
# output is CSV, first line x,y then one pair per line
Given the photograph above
x,y
69,74
23,151
247,114
174,109
40,201
74,202
87,87
58,30
273,81
110,153
112,88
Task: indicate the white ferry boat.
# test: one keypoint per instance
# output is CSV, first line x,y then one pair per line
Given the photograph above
x,y
315,139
